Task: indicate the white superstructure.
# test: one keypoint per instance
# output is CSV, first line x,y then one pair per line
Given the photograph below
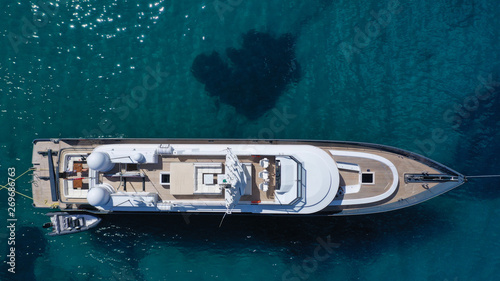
x,y
309,178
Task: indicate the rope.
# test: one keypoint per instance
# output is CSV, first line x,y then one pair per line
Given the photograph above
x,y
22,194
484,176
6,187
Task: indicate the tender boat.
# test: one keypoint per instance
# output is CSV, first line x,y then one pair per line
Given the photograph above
x,y
220,176
66,223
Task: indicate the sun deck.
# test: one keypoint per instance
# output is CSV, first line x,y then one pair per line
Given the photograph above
x,y
182,172
146,177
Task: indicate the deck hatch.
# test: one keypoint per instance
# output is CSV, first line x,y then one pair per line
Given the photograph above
x,y
367,178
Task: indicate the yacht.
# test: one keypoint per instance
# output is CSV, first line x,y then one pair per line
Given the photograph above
x,y
225,176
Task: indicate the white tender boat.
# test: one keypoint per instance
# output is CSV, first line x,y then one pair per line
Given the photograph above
x,y
68,223
272,177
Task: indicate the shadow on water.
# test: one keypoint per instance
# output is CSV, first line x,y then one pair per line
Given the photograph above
x,y
30,244
255,76
290,239
479,148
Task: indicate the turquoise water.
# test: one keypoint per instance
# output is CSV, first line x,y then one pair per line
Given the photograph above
x,y
419,75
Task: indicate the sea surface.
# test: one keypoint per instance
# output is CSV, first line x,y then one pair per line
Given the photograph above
x,y
420,75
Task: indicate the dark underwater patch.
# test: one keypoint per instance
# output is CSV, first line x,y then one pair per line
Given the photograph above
x,y
255,76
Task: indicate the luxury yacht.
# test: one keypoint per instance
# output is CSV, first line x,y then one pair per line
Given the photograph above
x,y
222,176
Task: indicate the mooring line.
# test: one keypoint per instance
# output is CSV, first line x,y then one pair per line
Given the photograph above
x,y
483,176
6,186
22,194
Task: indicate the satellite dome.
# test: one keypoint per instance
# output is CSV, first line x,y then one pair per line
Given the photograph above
x,y
98,196
138,157
100,161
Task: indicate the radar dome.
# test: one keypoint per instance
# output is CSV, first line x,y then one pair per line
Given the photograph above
x,y
98,196
138,157
100,161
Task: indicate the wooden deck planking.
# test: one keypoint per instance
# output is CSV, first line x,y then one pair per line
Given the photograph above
x,y
403,165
